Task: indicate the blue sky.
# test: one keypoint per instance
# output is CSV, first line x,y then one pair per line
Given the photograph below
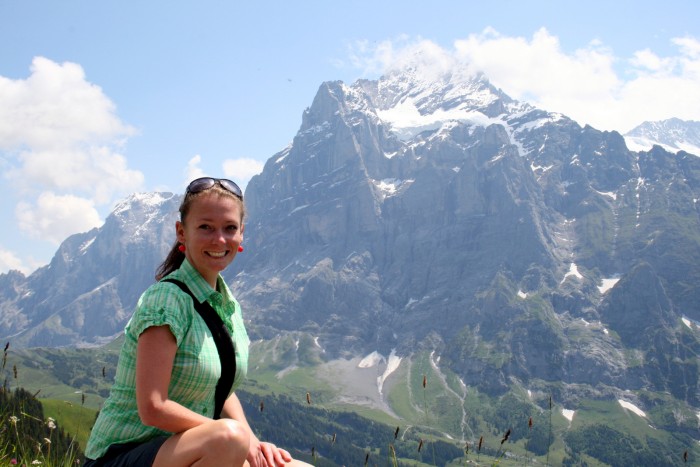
x,y
99,99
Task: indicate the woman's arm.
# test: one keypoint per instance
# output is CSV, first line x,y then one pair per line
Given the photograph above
x,y
233,409
155,354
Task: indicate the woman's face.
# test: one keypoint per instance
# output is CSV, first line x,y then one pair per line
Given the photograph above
x,y
211,234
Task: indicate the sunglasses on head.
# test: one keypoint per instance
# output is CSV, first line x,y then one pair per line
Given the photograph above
x,y
205,183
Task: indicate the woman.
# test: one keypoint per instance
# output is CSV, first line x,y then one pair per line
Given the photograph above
x,y
160,411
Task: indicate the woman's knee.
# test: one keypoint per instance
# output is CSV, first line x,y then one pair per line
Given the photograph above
x,y
221,442
229,434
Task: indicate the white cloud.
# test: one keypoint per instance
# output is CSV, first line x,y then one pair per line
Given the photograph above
x,y
55,106
61,133
55,217
539,67
60,141
9,261
193,170
649,60
591,84
97,172
374,59
239,170
242,170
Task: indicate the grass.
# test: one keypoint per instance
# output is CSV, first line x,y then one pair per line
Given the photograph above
x,y
28,439
445,410
436,411
74,419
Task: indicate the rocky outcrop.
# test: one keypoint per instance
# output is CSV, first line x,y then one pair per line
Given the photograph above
x,y
410,214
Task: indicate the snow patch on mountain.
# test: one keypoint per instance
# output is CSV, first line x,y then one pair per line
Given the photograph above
x,y
607,284
609,194
374,359
632,408
568,414
85,246
690,323
391,186
573,272
392,365
406,121
371,360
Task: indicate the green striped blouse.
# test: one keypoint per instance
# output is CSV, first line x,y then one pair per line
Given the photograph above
x,y
196,368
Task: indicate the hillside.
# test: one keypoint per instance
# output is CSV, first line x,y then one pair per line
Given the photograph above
x,y
437,227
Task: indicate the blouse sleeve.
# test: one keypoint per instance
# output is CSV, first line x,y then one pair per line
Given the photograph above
x,y
162,304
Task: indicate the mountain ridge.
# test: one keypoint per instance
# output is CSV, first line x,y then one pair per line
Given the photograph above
x,y
672,134
481,228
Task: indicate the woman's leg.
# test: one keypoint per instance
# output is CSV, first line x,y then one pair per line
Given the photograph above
x,y
294,463
297,463
219,443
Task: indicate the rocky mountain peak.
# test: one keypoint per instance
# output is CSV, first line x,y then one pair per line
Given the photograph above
x,y
672,134
413,213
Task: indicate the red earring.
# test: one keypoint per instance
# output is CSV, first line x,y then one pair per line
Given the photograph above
x,y
240,248
181,247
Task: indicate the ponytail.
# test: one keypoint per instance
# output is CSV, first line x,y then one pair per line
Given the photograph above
x,y
172,262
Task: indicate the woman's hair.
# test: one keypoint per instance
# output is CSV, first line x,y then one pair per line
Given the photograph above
x,y
175,257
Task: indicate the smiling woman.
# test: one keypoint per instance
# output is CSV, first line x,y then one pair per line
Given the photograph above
x,y
185,351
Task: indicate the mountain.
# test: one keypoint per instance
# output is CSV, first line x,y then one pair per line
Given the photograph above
x,y
673,135
409,214
432,223
88,291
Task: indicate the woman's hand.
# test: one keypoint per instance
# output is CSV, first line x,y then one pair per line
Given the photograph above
x,y
266,454
259,454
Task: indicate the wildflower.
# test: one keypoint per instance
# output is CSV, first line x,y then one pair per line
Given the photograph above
x,y
51,423
47,440
13,461
14,420
36,462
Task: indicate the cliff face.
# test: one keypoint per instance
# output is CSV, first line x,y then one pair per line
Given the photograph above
x,y
409,214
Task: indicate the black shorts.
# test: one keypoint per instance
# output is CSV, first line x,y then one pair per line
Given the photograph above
x,y
129,454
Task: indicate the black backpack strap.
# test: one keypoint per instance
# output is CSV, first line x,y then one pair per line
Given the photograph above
x,y
224,346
